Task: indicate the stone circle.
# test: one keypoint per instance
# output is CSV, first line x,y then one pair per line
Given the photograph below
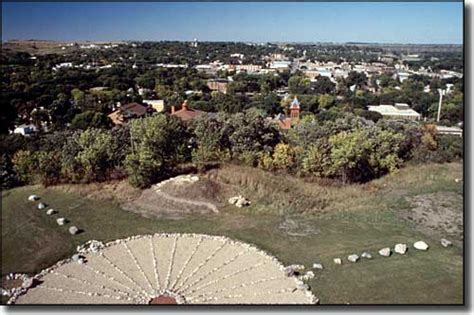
x,y
353,258
401,249
61,221
33,198
169,268
446,243
366,255
420,245
73,230
385,252
318,266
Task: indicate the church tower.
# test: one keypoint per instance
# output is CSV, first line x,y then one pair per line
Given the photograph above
x,y
295,109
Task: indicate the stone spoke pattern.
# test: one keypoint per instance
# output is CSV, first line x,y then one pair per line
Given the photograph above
x,y
192,268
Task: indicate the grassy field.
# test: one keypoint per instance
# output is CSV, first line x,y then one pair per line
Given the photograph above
x,y
340,220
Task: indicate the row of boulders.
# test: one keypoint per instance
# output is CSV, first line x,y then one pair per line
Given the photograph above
x,y
239,201
384,252
60,221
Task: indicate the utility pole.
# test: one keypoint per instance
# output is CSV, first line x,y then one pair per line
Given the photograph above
x,y
441,93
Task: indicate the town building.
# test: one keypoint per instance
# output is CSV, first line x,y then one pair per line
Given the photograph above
x,y
219,85
186,113
26,129
158,105
285,122
397,111
127,112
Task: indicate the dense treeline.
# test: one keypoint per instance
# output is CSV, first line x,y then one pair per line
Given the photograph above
x,y
348,148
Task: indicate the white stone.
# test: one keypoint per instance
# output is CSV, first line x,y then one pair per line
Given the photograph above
x,y
457,180
73,230
239,201
318,266
33,198
385,252
353,258
51,212
61,221
337,261
41,206
446,243
420,245
366,255
401,249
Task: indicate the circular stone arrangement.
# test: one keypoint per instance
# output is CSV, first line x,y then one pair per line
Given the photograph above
x,y
169,269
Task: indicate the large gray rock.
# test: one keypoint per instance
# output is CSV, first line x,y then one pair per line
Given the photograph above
x,y
353,258
239,201
33,198
51,212
61,221
420,245
337,261
318,266
366,255
73,230
446,243
401,249
385,252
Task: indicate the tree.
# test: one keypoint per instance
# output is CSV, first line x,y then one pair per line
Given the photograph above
x,y
298,85
90,119
94,153
324,85
326,101
159,142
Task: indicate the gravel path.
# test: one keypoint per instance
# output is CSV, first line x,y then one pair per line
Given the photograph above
x,y
191,268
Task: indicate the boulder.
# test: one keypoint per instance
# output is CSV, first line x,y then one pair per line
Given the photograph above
x,y
307,276
385,252
302,286
33,198
457,180
420,245
73,230
78,258
41,206
337,261
353,258
446,243
61,221
318,266
27,283
239,201
401,249
366,255
51,212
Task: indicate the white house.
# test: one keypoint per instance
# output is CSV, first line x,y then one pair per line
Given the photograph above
x,y
26,129
158,105
397,111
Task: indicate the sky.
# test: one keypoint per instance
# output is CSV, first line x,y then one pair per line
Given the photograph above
x,y
383,22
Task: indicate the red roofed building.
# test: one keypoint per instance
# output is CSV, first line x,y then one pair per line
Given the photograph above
x,y
286,122
186,113
128,111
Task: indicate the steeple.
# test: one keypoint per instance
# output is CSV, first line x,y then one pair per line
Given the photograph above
x,y
295,108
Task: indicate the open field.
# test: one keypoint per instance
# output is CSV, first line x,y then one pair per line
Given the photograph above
x,y
296,221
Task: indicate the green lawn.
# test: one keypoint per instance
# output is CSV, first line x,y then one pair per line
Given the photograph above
x,y
352,220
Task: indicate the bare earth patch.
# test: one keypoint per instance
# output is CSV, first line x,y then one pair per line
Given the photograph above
x,y
437,214
175,199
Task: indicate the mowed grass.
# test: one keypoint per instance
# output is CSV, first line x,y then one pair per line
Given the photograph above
x,y
346,220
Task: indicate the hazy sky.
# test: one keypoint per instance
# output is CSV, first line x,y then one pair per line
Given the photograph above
x,y
264,21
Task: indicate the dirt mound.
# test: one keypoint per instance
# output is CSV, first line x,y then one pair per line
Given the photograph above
x,y
177,198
